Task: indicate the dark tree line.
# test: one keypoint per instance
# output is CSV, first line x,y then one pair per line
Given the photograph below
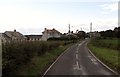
x,y
111,33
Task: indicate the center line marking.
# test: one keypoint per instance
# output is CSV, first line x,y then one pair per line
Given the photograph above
x,y
77,64
77,50
76,56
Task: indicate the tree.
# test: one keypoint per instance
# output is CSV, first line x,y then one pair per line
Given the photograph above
x,y
81,34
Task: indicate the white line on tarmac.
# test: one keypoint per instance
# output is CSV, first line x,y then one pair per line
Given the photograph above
x,y
76,56
94,61
77,64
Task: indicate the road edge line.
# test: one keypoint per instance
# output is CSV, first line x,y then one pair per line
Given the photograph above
x,y
102,62
54,62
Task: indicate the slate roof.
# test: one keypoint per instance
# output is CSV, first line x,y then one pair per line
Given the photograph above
x,y
5,36
33,36
14,34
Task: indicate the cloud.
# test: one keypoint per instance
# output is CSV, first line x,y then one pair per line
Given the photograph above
x,y
38,1
105,24
108,8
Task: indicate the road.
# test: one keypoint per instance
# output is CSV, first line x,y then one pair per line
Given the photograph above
x,y
78,61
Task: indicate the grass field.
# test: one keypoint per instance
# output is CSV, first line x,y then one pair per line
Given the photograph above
x,y
106,53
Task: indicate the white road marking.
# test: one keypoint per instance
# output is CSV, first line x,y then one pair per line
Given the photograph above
x,y
77,50
94,61
76,56
76,66
80,44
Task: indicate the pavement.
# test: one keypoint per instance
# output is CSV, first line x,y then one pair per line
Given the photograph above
x,y
78,61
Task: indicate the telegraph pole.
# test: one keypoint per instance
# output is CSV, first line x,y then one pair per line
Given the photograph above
x,y
69,32
81,29
90,29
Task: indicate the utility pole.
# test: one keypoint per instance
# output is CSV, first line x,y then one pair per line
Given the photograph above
x,y
81,29
69,32
90,29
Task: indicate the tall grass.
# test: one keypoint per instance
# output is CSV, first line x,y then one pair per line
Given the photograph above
x,y
39,64
16,54
106,50
107,43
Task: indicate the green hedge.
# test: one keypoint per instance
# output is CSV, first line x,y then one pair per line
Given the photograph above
x,y
63,38
107,43
16,54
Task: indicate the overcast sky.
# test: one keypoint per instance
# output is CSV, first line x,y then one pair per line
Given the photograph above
x,y
32,16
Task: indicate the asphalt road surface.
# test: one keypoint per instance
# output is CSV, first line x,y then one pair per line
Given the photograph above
x,y
78,61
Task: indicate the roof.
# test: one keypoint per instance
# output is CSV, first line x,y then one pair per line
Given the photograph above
x,y
52,31
5,36
33,36
13,33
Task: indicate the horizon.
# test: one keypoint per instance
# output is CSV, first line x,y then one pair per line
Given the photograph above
x,y
31,17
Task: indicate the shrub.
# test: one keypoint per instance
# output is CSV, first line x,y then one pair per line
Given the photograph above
x,y
16,54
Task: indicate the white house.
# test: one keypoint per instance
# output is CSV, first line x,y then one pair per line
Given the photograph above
x,y
33,37
50,33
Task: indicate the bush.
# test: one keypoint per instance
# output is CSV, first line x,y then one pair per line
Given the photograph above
x,y
16,54
63,38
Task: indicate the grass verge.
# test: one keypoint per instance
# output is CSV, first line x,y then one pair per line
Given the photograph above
x,y
39,64
106,55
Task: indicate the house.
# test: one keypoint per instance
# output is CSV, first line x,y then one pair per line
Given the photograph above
x,y
33,37
50,33
95,34
5,38
9,36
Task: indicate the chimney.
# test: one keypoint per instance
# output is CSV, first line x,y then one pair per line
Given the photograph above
x,y
14,30
45,29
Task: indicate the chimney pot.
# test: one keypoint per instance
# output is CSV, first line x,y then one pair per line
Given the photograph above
x,y
15,30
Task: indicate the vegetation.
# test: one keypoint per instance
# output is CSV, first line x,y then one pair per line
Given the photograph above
x,y
65,38
111,33
39,64
107,43
81,34
17,54
106,50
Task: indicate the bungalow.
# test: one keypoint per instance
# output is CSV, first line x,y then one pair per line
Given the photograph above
x,y
49,33
95,34
33,37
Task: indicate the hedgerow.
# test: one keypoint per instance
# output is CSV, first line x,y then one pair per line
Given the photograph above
x,y
16,54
